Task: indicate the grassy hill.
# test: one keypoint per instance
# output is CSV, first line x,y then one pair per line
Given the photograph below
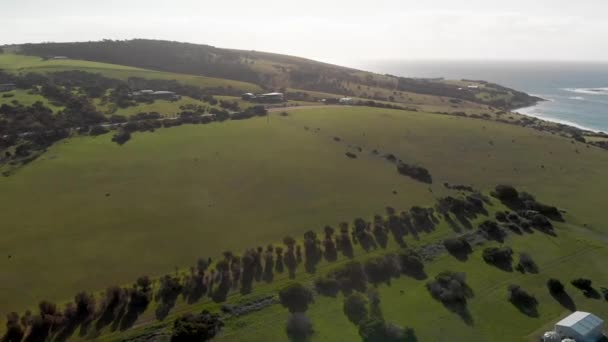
x,y
85,212
169,197
272,71
24,64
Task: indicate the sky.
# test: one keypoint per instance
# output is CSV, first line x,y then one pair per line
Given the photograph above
x,y
337,31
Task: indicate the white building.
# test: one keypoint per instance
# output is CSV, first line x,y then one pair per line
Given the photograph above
x,y
346,101
580,326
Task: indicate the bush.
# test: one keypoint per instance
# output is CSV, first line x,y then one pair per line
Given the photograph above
x,y
121,137
201,327
295,297
582,284
491,230
524,301
506,193
555,286
449,288
416,172
526,263
299,327
411,263
355,308
327,286
457,246
351,277
498,256
500,216
98,130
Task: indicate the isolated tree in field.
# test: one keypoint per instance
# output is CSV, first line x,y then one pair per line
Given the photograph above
x,y
355,307
555,286
295,297
299,327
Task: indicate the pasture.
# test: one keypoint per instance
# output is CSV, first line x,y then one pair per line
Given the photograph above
x,y
19,63
90,213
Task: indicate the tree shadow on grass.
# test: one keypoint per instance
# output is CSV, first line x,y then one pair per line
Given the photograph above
x,y
455,227
564,300
464,222
462,311
592,293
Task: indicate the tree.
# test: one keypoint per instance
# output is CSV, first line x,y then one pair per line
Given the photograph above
x,y
555,286
295,297
582,284
14,330
201,327
85,306
299,327
355,308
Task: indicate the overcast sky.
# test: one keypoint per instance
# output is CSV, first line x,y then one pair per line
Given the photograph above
x,y
344,32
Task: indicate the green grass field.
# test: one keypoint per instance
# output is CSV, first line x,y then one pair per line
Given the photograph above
x,y
19,63
26,99
166,198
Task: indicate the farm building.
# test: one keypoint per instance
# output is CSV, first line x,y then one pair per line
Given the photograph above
x,y
248,97
346,100
579,326
160,94
7,87
271,97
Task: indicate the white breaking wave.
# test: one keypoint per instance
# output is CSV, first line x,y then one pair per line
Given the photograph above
x,y
537,113
580,98
588,91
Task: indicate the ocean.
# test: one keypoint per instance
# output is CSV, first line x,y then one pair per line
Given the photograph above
x,y
576,93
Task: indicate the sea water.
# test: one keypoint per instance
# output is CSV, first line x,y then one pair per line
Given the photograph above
x,y
576,93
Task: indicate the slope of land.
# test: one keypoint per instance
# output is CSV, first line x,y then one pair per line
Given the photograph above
x,y
87,211
169,197
274,71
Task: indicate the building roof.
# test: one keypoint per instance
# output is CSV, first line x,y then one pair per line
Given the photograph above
x,y
163,92
581,322
272,94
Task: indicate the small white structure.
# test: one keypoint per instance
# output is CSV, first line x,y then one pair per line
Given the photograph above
x,y
551,336
581,327
346,100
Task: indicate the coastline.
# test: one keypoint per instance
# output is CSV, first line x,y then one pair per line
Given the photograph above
x,y
529,111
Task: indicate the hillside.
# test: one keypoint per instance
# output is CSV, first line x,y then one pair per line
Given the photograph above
x,y
272,71
122,213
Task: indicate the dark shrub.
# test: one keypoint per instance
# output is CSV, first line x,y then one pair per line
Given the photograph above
x,y
355,308
501,256
449,288
555,286
382,269
582,284
351,277
527,264
492,231
524,301
457,246
98,130
295,297
121,137
416,172
411,263
351,155
201,327
299,327
500,216
327,286
506,193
